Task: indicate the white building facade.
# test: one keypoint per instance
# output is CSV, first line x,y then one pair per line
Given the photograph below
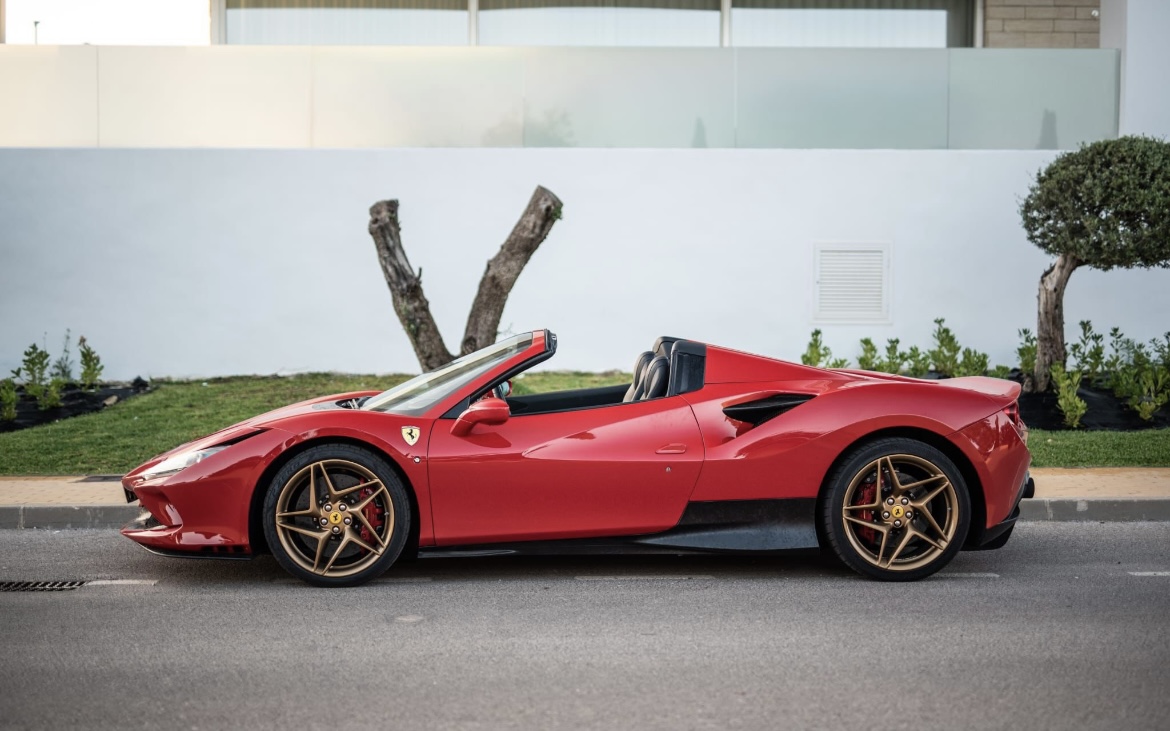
x,y
202,210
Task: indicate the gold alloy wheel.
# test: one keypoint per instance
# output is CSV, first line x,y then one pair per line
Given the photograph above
x,y
334,518
900,512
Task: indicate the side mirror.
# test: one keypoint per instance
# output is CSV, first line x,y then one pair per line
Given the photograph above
x,y
485,411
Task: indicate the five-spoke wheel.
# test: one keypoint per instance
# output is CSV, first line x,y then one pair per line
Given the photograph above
x,y
336,515
896,509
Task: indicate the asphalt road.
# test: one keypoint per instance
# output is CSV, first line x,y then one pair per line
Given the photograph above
x,y
1055,631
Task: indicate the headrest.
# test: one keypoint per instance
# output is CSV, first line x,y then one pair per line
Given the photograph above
x,y
657,378
640,364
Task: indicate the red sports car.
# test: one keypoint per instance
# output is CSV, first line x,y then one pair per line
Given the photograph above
x,y
708,450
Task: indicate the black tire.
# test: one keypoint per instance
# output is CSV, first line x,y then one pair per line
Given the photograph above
x,y
907,539
361,534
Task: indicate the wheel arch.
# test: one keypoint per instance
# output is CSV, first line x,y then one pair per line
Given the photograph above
x,y
939,442
256,539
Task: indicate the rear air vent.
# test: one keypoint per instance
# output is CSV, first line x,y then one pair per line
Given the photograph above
x,y
757,412
40,585
852,283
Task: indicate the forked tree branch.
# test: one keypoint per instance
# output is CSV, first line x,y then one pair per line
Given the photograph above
x,y
503,269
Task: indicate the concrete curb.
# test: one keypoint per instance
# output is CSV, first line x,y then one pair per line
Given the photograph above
x,y
1117,510
1121,510
67,516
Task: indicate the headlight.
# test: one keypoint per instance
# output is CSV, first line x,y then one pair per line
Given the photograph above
x,y
181,461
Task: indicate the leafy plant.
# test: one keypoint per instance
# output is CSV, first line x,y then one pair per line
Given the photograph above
x,y
973,363
63,366
1071,405
944,356
1161,351
50,398
1027,351
91,364
895,359
1130,360
919,362
1088,353
1151,393
818,355
7,400
1000,371
34,368
868,360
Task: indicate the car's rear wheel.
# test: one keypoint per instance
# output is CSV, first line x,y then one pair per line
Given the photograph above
x,y
336,515
896,510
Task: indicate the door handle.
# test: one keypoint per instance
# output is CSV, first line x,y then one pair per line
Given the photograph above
x,y
672,449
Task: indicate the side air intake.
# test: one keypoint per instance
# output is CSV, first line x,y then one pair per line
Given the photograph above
x,y
761,410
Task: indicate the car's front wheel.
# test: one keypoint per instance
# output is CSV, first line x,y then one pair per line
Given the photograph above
x,y
336,515
896,510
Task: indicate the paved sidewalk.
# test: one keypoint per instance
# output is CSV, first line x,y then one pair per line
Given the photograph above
x,y
1110,494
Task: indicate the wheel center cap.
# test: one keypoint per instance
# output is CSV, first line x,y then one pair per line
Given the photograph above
x,y
335,518
897,511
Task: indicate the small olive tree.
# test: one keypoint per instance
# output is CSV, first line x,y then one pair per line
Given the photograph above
x,y
1105,205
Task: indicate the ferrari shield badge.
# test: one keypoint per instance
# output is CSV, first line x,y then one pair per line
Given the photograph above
x,y
410,434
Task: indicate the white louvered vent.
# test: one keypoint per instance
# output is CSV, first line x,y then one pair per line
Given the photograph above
x,y
853,283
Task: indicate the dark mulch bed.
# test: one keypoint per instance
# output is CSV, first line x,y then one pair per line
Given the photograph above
x,y
1105,412
74,402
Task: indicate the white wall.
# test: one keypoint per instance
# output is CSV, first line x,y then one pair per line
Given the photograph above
x,y
1147,59
1139,28
199,263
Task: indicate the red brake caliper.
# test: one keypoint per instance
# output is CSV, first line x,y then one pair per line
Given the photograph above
x,y
373,516
867,494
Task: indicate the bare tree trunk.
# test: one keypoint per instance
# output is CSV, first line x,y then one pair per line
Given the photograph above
x,y
1050,318
483,322
410,304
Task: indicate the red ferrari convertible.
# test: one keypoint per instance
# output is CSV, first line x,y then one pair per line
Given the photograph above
x,y
708,450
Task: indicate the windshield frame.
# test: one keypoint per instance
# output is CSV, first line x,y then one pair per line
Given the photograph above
x,y
469,373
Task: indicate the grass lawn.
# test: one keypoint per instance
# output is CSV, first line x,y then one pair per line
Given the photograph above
x,y
118,439
123,436
1149,448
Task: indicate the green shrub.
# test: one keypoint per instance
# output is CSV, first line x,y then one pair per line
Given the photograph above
x,y
973,363
1151,391
91,364
1001,371
34,369
818,355
944,356
1088,353
895,359
7,400
1071,405
63,366
50,398
919,362
1027,351
868,360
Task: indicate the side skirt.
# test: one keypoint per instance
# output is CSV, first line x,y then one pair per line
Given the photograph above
x,y
723,526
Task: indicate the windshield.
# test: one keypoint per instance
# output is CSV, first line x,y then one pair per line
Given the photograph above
x,y
420,393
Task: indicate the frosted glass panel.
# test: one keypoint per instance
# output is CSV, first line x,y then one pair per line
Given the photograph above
x,y
629,98
341,26
809,98
598,26
838,28
418,97
1032,100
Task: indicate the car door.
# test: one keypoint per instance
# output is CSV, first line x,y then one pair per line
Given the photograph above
x,y
623,469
